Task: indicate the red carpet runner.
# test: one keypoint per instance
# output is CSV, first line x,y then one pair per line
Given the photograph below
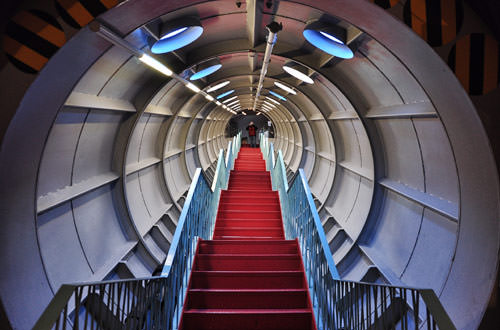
x,y
248,276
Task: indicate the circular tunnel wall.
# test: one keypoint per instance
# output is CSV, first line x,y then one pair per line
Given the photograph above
x,y
94,176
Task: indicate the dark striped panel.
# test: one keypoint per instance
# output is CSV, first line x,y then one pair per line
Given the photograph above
x,y
386,4
31,38
78,13
475,59
436,21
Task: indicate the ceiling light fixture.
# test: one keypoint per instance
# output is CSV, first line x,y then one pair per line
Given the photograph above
x,y
177,34
298,71
269,104
206,68
218,86
277,95
259,113
229,99
148,60
225,94
233,103
193,87
329,38
209,97
285,88
272,100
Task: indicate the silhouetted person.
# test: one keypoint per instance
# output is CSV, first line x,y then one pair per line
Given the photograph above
x,y
252,132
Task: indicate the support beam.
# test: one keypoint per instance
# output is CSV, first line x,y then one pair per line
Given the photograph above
x,y
254,21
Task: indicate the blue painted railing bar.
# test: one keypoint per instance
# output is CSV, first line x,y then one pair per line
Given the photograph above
x,y
340,304
148,303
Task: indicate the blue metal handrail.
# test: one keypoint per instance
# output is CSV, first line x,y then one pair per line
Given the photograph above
x,y
340,304
155,302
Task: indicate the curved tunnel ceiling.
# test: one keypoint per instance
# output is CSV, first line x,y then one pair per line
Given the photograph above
x,y
396,157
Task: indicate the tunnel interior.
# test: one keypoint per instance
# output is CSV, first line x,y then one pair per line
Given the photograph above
x,y
101,153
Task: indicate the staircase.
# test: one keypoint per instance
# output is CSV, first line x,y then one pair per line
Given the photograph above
x,y
248,276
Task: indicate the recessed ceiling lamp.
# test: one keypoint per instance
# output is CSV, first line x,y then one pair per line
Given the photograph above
x,y
298,71
277,95
177,34
193,87
244,113
259,113
272,100
269,104
218,86
229,99
225,94
233,103
329,38
285,88
206,68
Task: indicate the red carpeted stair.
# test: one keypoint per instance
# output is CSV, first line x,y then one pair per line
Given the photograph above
x,y
248,276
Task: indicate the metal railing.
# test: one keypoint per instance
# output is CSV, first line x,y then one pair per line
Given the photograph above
x,y
340,304
147,303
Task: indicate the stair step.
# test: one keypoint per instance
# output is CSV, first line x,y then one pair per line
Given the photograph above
x,y
246,298
246,247
223,223
243,198
244,319
248,214
242,232
240,262
247,206
235,280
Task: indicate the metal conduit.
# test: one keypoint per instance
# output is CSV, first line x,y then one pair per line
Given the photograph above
x,y
273,29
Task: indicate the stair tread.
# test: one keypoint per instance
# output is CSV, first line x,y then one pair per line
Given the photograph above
x,y
249,311
249,290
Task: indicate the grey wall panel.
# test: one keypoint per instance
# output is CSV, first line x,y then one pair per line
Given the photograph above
x,y
441,177
153,194
98,226
157,251
134,146
149,145
95,147
364,147
127,81
63,258
97,76
57,161
343,195
191,161
363,79
402,80
361,209
347,143
437,238
402,152
136,203
322,178
178,180
140,263
397,231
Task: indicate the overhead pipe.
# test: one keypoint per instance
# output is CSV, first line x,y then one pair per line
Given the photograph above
x,y
273,29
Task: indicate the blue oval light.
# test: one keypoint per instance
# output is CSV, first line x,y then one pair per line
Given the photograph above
x,y
225,94
277,95
177,39
205,72
328,43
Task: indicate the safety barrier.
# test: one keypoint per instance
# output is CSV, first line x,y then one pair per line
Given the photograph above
x,y
147,303
340,304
